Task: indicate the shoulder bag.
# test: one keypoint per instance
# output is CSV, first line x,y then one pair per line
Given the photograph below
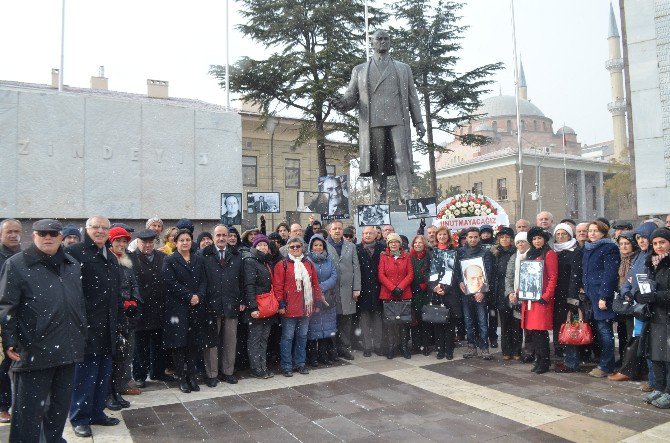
x,y
398,311
435,313
575,334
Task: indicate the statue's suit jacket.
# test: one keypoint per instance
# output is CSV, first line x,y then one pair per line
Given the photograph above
x,y
358,94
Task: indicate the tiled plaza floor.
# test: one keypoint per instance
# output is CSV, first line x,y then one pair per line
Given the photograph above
x,y
375,399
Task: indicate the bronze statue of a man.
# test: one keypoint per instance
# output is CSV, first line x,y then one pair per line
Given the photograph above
x,y
383,90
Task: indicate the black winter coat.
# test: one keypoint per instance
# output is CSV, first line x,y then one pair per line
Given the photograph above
x,y
43,311
500,261
101,282
569,282
152,290
257,280
659,330
224,283
184,324
370,286
5,253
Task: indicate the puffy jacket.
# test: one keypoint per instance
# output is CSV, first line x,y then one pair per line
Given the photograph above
x,y
323,324
257,278
395,273
43,312
600,275
540,316
224,283
289,297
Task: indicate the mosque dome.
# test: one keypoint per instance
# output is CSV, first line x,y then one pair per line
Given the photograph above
x,y
565,129
505,105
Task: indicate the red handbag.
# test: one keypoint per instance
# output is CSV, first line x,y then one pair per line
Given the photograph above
x,y
575,334
267,304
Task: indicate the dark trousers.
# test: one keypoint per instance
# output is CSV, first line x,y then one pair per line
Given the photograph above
x,y
396,334
91,383
422,335
149,358
661,375
188,357
493,324
34,390
511,334
444,337
539,342
5,386
476,316
121,374
257,344
344,330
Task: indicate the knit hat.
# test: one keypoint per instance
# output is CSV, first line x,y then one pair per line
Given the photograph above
x,y
152,221
644,230
488,228
185,223
118,232
630,236
505,230
662,233
566,227
71,230
202,235
393,237
274,236
260,238
537,231
521,236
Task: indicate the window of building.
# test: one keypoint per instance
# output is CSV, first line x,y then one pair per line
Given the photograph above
x,y
330,170
509,126
249,171
535,125
248,144
544,126
292,173
594,198
502,189
495,126
523,125
477,188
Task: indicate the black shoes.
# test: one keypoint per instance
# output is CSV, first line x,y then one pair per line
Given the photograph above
x,y
212,382
193,384
367,354
112,404
426,351
83,431
107,421
184,386
258,374
450,355
390,354
345,354
287,373
406,353
230,379
302,370
494,344
141,384
440,355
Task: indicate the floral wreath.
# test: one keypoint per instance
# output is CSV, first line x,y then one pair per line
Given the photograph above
x,y
466,205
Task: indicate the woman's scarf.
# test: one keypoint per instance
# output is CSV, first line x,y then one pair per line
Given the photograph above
x,y
420,266
590,246
395,254
318,257
517,266
302,282
569,245
656,259
624,267
534,253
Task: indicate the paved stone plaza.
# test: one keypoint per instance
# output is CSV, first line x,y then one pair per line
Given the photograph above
x,y
375,399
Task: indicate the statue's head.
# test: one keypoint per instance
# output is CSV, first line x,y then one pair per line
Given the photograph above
x,y
381,41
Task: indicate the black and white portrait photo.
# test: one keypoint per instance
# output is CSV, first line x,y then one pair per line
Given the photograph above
x,y
374,215
337,188
421,207
442,266
262,202
312,202
474,275
231,208
530,279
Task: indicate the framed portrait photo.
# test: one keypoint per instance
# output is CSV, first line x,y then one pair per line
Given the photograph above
x,y
474,275
312,202
374,215
231,208
263,202
530,279
421,207
337,188
442,266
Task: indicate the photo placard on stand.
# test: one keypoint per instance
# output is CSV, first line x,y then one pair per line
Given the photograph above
x,y
421,207
374,215
474,275
442,266
231,208
312,202
530,279
263,202
337,188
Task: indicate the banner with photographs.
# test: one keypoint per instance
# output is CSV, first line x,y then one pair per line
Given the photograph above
x,y
442,266
231,208
312,202
374,215
263,202
474,275
337,188
530,279
421,207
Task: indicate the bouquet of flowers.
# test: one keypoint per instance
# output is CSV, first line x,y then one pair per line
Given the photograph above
x,y
466,205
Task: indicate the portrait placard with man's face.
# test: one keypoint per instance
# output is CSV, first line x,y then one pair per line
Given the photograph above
x,y
338,196
474,275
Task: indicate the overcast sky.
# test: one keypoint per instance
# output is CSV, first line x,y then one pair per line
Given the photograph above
x,y
563,44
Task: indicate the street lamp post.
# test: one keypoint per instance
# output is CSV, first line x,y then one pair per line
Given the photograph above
x,y
271,125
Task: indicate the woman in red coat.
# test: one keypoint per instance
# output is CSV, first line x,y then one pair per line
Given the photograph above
x,y
395,276
537,317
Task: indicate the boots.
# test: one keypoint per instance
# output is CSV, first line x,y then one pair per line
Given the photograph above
x,y
332,350
543,366
312,354
122,401
322,352
404,342
184,385
112,404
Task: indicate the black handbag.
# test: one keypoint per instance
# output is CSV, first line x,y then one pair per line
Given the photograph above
x,y
431,313
642,312
398,311
622,305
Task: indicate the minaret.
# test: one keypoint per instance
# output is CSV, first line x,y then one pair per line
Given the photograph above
x,y
523,89
617,106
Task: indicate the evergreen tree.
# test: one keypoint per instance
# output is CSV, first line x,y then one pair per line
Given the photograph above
x,y
429,41
315,45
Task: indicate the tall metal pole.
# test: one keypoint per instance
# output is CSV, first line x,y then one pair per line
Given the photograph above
x,y
367,36
227,56
62,48
518,116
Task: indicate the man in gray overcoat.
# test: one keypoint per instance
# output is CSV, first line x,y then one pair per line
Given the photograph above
x,y
383,90
348,287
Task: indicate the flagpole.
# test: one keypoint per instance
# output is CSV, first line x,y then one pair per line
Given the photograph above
x,y
565,174
518,116
227,56
62,47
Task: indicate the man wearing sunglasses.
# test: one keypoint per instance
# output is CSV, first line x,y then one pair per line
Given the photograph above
x,y
43,317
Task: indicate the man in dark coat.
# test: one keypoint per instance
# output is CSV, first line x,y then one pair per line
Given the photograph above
x,y
101,282
475,309
223,300
10,244
43,329
369,305
150,358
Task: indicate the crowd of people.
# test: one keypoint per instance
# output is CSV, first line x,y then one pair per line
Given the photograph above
x,y
91,315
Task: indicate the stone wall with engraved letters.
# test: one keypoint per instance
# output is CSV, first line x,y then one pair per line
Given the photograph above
x,y
77,153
